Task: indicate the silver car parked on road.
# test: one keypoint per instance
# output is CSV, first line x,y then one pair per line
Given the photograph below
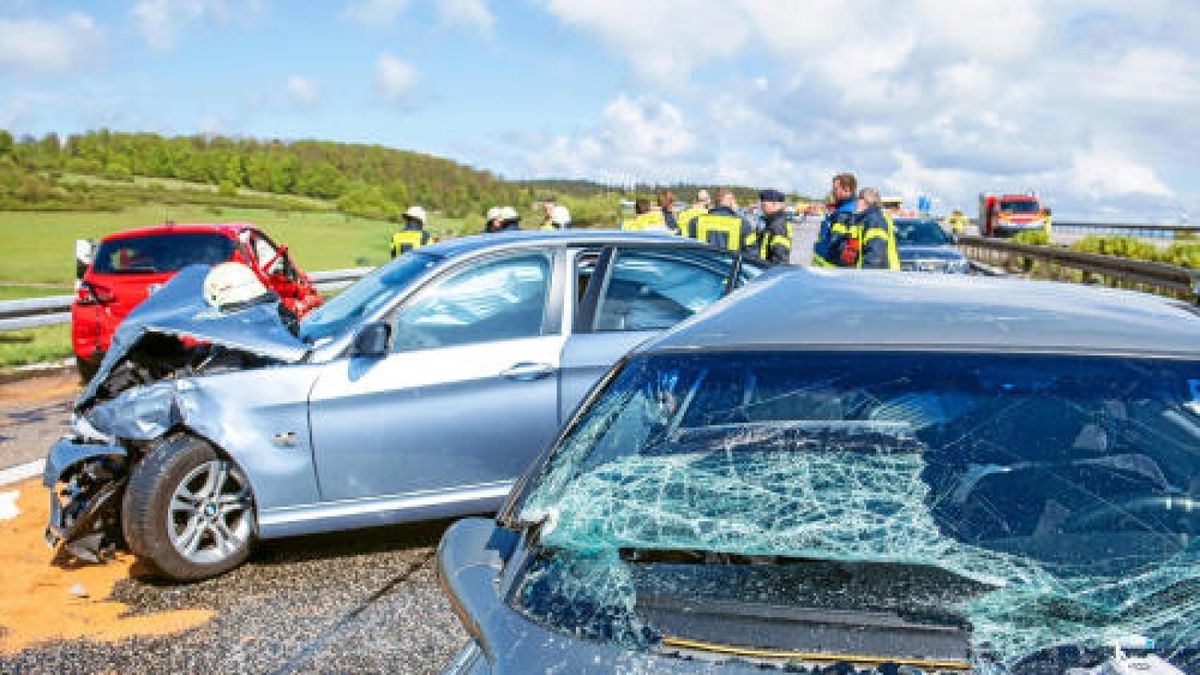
x,y
419,392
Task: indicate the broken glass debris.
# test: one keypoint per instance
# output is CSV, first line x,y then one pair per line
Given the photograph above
x,y
1064,491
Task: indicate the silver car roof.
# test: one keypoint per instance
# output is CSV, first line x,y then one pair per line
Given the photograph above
x,y
847,309
473,243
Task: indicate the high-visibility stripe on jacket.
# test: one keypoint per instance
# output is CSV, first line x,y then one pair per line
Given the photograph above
x,y
407,240
645,221
686,216
867,234
769,239
722,231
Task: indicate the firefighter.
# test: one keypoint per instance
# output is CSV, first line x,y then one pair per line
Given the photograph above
x,y
876,234
413,234
957,221
547,211
1046,221
666,203
698,208
722,226
835,245
775,238
491,220
559,218
509,219
644,218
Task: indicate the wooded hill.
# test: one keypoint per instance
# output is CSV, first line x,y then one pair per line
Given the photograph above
x,y
366,180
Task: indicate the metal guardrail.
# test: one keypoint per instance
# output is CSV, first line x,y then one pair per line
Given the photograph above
x,y
1128,230
1090,268
56,309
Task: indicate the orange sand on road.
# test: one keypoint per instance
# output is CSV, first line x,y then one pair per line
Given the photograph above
x,y
59,386
36,602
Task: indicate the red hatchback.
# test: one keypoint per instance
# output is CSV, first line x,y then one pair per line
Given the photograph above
x,y
128,266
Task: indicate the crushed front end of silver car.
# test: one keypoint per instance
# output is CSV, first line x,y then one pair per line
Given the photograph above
x,y
146,387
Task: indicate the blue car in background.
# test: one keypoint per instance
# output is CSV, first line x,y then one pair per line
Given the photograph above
x,y
925,247
420,392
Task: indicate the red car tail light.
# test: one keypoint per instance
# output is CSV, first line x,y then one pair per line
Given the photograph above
x,y
93,294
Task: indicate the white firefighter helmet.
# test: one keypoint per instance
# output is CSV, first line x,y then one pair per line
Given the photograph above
x,y
231,283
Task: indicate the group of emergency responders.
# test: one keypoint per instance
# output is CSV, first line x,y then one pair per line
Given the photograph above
x,y
856,231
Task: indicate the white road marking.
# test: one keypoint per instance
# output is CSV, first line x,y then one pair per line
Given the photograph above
x,y
8,504
22,471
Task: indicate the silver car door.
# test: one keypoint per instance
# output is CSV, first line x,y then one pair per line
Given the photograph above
x,y
467,395
631,295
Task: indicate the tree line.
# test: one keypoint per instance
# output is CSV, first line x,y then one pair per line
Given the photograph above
x,y
365,180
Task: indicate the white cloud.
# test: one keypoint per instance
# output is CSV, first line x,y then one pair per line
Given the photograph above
x,y
394,79
376,13
1147,75
160,22
37,46
302,91
1104,173
385,14
663,41
1091,103
472,14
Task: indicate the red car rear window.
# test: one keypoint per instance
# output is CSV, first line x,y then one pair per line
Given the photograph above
x,y
161,253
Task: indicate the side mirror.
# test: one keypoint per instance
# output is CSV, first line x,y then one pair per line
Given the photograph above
x,y
372,340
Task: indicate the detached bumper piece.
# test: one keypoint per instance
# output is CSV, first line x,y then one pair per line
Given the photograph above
x,y
86,482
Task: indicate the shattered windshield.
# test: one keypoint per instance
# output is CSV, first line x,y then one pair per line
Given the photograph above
x,y
1024,501
364,296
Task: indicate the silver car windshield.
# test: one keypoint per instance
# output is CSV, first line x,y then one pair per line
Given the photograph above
x,y
1067,488
920,233
364,296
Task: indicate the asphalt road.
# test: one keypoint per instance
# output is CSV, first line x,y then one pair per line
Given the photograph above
x,y
349,602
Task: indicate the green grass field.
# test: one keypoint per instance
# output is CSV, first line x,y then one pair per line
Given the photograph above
x,y
39,253
39,246
35,345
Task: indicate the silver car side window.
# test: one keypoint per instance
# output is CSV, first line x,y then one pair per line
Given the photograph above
x,y
649,291
500,299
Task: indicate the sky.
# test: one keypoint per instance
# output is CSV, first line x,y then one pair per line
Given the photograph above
x,y
1094,105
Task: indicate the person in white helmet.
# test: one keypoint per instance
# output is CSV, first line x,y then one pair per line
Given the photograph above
x,y
232,285
507,220
559,219
412,235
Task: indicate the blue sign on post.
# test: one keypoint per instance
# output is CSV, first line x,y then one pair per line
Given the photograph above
x,y
924,204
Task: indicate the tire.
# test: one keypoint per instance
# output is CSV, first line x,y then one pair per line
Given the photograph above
x,y
188,511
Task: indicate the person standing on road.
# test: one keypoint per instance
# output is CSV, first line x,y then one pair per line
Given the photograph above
x,y
722,226
644,218
547,211
491,220
510,220
698,208
876,233
666,202
775,239
559,219
836,245
413,234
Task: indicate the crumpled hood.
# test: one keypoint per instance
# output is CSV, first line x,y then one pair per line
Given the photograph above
x,y
178,309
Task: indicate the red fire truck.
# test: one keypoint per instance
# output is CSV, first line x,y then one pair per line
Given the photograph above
x,y
1005,214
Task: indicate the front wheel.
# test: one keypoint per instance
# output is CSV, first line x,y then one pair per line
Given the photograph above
x,y
188,512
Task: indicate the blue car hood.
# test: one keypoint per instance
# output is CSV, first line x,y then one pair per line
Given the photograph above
x,y
178,309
